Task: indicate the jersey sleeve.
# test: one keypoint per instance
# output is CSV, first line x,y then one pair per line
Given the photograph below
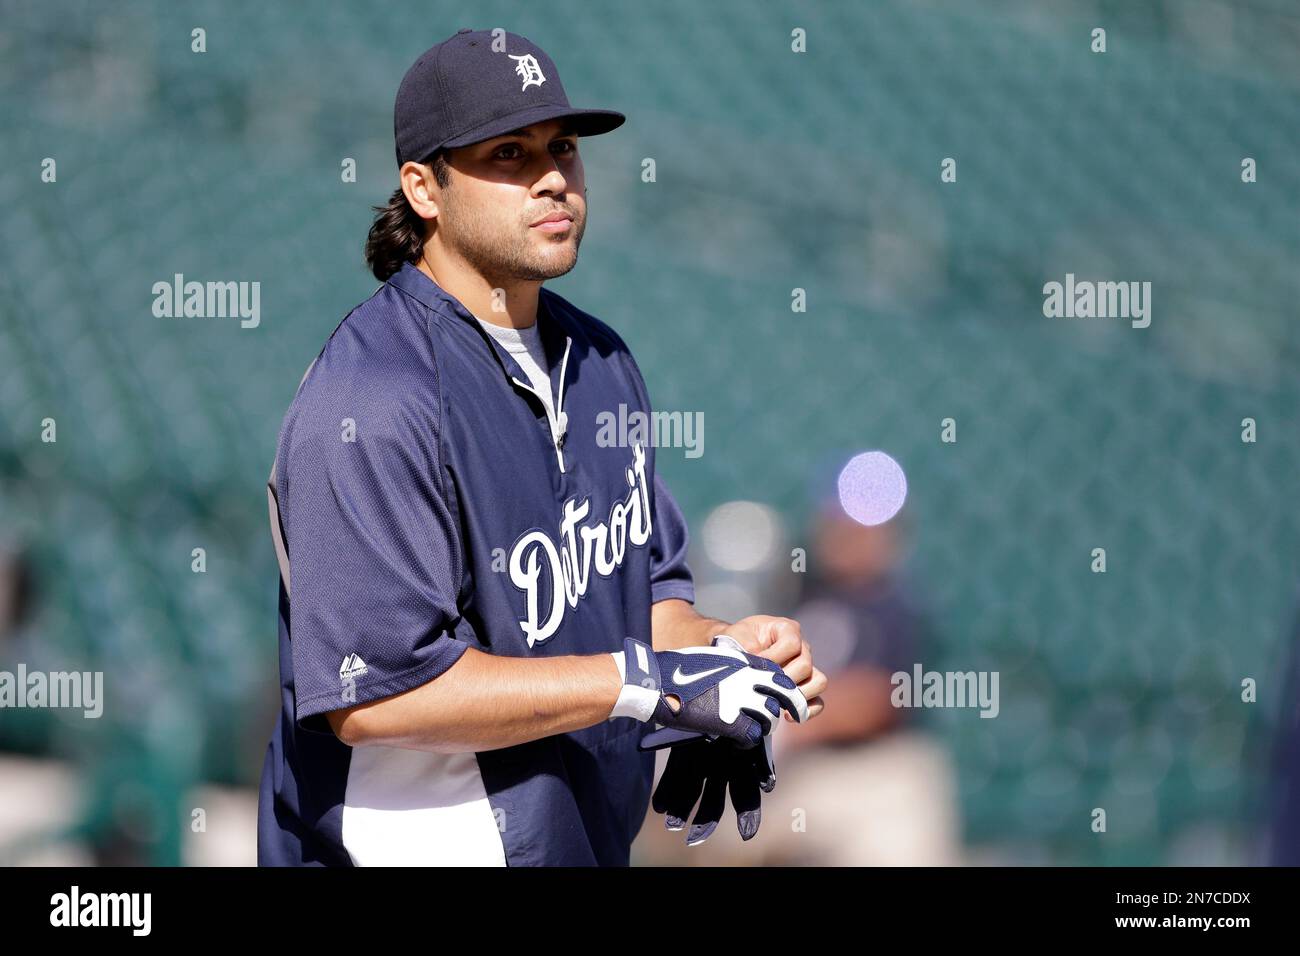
x,y
373,555
670,576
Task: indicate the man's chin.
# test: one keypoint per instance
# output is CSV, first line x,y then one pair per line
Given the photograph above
x,y
553,268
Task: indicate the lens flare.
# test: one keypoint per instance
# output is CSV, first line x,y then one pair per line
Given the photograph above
x,y
872,488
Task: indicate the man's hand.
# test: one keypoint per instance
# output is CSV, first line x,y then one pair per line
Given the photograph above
x,y
676,624
715,691
708,770
780,640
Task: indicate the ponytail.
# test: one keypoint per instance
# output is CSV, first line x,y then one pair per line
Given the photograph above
x,y
397,235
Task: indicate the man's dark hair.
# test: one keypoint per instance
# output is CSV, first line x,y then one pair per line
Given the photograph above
x,y
397,234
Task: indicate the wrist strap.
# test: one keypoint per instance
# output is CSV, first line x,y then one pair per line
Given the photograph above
x,y
640,669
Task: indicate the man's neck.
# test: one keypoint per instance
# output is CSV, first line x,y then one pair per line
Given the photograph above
x,y
510,305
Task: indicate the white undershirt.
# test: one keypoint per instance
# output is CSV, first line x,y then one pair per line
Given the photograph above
x,y
525,347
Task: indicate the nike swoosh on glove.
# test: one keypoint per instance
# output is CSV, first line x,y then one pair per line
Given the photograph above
x,y
722,691
706,771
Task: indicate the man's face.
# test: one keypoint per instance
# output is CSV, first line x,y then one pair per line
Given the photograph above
x,y
500,190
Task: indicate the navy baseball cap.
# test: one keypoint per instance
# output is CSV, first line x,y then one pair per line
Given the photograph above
x,y
478,84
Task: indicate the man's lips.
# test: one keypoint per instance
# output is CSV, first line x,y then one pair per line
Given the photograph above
x,y
561,225
554,222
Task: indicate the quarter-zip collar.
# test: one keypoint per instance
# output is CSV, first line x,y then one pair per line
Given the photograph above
x,y
555,340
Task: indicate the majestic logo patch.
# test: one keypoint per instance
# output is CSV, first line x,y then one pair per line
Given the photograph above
x,y
535,558
353,666
528,69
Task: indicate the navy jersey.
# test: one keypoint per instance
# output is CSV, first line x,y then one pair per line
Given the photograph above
x,y
423,502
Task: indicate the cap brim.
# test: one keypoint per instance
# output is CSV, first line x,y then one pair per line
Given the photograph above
x,y
585,123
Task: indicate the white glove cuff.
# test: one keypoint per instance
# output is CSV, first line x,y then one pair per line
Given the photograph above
x,y
633,700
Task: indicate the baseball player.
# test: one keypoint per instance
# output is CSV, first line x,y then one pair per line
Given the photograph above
x,y
483,608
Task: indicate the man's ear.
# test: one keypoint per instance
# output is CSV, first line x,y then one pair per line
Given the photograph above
x,y
420,189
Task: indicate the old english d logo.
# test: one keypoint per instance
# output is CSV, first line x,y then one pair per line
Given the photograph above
x,y
528,70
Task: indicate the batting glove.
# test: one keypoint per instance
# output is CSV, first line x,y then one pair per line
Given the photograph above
x,y
706,771
722,692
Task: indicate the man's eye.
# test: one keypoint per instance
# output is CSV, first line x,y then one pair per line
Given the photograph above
x,y
514,151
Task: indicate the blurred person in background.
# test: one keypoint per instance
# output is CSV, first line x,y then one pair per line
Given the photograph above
x,y
872,789
861,786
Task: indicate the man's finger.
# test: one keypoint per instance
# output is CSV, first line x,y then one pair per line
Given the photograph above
x,y
814,686
765,718
800,669
787,644
815,707
790,698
